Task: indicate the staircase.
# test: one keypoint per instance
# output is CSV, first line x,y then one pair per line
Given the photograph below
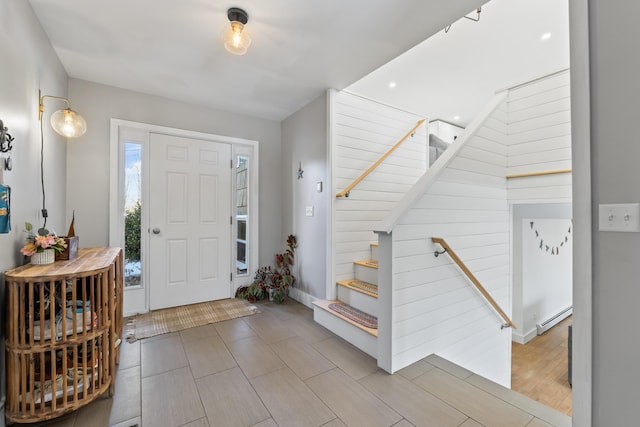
x,y
358,297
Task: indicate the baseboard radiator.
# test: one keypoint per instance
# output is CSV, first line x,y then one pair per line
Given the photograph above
x,y
554,320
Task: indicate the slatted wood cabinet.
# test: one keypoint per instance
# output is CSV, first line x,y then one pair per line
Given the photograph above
x,y
64,323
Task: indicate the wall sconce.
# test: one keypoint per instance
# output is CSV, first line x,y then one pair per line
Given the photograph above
x,y
236,38
65,122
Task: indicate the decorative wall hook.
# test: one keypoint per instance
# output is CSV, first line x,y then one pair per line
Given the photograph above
x,y
5,139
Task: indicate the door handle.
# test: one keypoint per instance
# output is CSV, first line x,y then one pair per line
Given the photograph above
x,y
156,230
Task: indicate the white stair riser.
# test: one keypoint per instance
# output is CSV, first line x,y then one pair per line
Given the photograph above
x,y
366,274
359,338
374,252
356,299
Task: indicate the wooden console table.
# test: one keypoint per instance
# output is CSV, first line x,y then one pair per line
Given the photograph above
x,y
64,323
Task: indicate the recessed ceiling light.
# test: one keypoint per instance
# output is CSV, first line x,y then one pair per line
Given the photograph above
x,y
456,117
545,36
392,85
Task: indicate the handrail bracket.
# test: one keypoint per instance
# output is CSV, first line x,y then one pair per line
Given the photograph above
x,y
447,249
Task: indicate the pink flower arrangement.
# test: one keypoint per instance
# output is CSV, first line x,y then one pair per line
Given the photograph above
x,y
43,240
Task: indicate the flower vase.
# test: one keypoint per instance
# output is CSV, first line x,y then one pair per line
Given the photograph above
x,y
47,256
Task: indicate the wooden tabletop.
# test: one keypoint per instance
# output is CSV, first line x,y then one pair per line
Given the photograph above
x,y
88,259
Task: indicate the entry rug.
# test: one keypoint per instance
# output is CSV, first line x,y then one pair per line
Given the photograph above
x,y
184,317
358,316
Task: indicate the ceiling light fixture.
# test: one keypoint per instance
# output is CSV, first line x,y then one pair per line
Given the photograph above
x,y
65,122
236,38
392,85
545,36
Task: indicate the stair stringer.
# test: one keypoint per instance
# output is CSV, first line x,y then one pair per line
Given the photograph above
x,y
400,313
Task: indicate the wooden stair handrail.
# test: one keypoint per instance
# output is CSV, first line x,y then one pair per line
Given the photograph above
x,y
346,191
524,175
439,240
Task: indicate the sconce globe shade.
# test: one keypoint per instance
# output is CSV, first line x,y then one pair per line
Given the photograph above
x,y
236,38
68,123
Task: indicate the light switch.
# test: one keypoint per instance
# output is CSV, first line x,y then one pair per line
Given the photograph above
x,y
309,210
621,217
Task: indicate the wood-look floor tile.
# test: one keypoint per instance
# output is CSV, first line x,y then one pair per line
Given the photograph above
x,y
290,401
234,330
96,414
127,396
170,399
310,331
471,423
129,423
198,332
266,423
472,401
415,369
536,422
129,354
447,366
208,355
337,422
202,422
303,359
255,357
535,408
412,402
230,400
403,423
271,329
350,401
345,356
164,355
64,421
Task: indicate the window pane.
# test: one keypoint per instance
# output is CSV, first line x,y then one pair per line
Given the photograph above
x,y
242,214
132,213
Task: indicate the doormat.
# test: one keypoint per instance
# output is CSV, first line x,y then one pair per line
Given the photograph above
x,y
175,319
352,313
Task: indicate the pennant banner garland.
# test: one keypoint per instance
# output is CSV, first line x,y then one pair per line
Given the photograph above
x,y
547,244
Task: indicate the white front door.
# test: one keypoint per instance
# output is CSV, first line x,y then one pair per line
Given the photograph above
x,y
189,220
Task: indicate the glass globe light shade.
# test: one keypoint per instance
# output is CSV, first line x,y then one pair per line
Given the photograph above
x,y
236,38
68,123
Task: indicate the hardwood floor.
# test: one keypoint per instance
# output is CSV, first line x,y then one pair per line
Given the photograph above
x,y
539,368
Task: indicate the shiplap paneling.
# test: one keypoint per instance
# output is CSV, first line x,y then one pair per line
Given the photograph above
x,y
435,308
362,131
539,139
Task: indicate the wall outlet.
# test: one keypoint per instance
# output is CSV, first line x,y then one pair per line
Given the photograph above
x,y
309,211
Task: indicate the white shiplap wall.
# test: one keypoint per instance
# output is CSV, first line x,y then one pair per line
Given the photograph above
x,y
361,131
539,129
434,308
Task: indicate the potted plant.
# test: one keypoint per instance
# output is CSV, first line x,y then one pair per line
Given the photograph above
x,y
272,282
41,247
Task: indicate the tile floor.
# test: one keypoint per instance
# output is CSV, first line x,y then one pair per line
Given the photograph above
x,y
279,368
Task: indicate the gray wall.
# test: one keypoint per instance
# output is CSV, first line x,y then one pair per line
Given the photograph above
x,y
28,64
88,156
615,178
304,142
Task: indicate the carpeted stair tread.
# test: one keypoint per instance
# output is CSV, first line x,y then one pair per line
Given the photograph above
x,y
360,286
324,305
371,263
352,313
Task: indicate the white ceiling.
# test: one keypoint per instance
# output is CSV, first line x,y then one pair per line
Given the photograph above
x,y
300,48
455,74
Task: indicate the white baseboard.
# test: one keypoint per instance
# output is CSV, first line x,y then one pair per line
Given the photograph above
x,y
302,297
523,339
